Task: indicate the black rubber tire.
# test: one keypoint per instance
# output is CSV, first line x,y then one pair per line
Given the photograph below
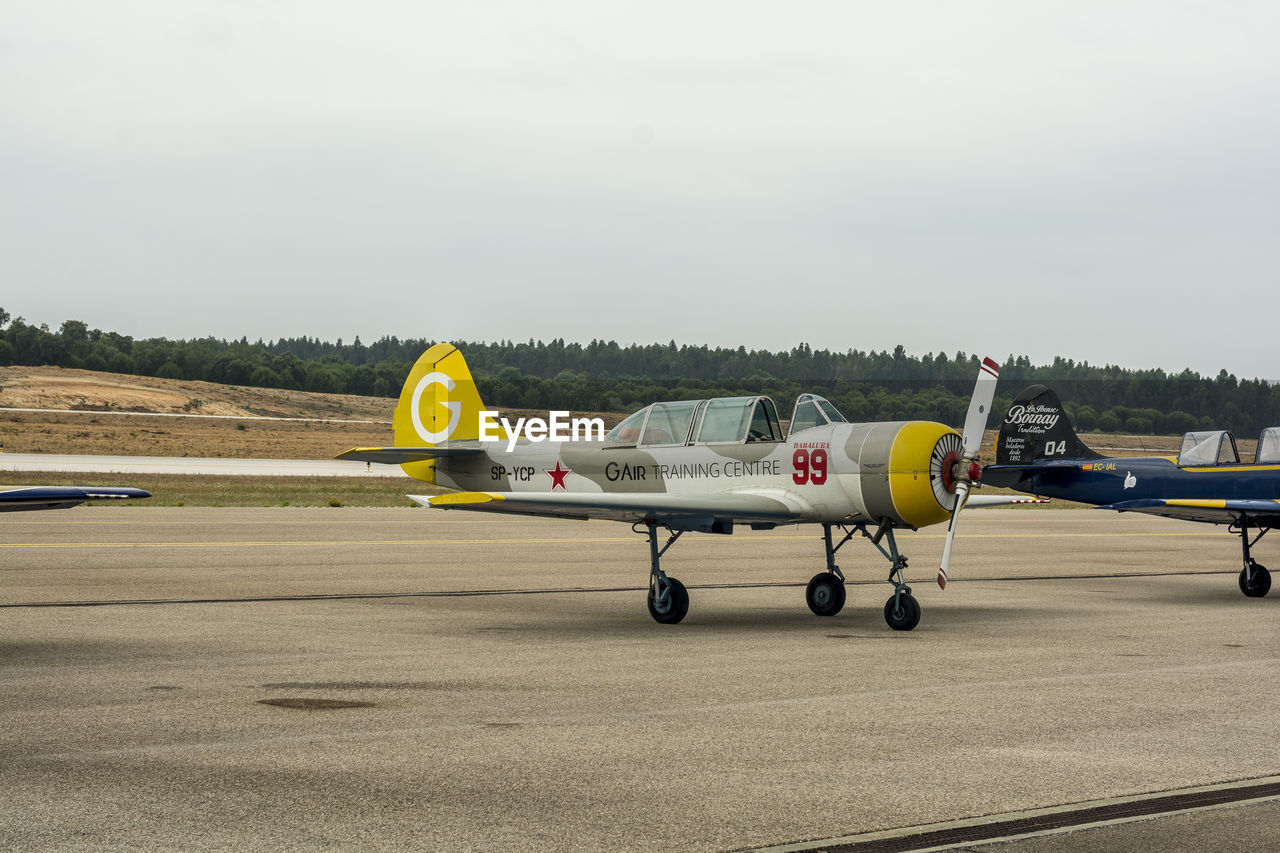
x,y
825,594
678,607
1261,582
904,618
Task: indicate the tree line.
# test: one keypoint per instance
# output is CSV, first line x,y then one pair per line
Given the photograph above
x,y
603,376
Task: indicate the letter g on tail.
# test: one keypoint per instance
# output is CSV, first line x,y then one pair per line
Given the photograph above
x,y
455,408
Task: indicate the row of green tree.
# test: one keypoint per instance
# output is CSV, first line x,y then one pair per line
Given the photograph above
x,y
603,376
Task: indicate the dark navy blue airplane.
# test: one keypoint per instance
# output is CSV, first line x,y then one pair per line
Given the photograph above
x,y
1038,452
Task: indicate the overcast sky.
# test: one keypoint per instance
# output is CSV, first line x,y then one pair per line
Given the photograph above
x,y
1098,180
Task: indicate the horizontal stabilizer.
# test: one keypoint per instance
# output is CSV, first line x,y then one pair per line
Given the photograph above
x,y
403,455
1006,476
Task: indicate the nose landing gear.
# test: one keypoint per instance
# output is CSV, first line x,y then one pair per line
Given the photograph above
x,y
826,595
1255,580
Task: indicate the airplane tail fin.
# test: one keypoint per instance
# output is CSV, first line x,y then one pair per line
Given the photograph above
x,y
438,404
1036,429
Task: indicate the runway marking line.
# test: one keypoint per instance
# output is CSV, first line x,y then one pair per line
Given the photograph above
x,y
476,593
1054,820
366,543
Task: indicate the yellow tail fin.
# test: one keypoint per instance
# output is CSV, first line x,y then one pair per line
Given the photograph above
x,y
438,404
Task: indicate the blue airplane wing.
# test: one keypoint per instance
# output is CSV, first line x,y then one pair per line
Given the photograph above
x,y
1261,512
61,497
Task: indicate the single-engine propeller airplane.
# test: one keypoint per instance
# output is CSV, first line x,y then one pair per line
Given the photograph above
x,y
62,497
700,465
1039,453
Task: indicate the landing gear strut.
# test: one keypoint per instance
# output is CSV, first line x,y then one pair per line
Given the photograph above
x,y
668,599
1255,580
825,593
901,611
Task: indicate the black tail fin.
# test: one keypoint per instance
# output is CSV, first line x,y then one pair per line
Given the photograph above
x,y
1036,428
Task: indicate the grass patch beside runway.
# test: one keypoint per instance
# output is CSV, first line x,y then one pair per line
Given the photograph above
x,y
212,490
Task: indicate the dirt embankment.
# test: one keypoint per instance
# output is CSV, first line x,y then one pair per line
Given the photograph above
x,y
58,388
114,414
86,412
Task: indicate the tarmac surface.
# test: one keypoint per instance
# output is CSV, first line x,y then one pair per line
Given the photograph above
x,y
446,681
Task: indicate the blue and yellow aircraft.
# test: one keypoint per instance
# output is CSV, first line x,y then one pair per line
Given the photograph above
x,y
1039,453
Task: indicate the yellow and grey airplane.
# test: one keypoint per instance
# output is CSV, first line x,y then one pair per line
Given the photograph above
x,y
696,465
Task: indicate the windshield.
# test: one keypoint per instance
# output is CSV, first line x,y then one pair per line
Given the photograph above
x,y
628,432
1268,446
813,411
764,422
669,422
1216,447
725,419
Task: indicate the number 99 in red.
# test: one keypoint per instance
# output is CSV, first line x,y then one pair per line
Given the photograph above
x,y
811,466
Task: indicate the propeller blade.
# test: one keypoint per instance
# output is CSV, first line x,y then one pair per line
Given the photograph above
x,y
962,492
975,425
975,422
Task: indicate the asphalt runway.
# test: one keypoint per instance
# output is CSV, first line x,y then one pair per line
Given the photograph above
x,y
506,688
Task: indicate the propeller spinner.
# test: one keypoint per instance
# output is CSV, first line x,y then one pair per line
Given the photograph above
x,y
965,470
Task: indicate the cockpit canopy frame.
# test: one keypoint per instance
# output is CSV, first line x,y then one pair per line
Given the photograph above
x,y
1208,447
720,420
813,411
1268,452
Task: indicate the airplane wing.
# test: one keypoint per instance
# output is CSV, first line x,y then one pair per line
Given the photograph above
x,y
401,455
775,506
1266,512
764,506
978,501
61,497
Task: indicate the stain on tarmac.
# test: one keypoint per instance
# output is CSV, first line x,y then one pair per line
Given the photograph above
x,y
313,704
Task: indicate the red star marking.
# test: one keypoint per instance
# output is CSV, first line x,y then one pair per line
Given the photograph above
x,y
558,475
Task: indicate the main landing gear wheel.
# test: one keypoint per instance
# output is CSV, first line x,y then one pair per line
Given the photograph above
x,y
825,595
902,612
672,607
1258,585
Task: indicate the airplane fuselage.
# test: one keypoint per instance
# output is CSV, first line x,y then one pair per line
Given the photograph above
x,y
1103,482
831,473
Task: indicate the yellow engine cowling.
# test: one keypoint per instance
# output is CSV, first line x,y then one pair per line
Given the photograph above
x,y
901,467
